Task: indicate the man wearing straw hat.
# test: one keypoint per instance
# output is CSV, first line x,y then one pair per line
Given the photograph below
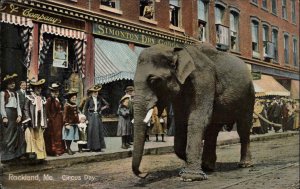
x,y
13,142
36,121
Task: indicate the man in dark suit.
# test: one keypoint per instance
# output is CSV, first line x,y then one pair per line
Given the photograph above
x,y
22,93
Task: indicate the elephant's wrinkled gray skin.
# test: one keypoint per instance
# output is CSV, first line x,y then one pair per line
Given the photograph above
x,y
207,88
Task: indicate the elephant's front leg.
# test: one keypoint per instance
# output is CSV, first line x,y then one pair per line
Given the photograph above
x,y
196,123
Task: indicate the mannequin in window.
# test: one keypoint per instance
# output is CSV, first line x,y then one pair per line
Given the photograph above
x,y
149,10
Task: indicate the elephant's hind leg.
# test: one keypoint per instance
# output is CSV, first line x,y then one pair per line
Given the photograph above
x,y
209,156
243,129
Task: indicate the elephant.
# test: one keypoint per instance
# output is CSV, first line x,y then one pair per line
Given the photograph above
x,y
207,89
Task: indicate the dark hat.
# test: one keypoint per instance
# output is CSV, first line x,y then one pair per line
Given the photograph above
x,y
10,77
124,97
129,88
70,93
54,86
95,88
35,82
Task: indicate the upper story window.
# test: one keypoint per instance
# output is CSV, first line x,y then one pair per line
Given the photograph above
x,y
275,42
268,46
174,11
147,9
203,20
254,31
222,34
293,11
234,30
295,52
264,4
254,1
284,12
274,7
265,38
111,3
286,48
219,14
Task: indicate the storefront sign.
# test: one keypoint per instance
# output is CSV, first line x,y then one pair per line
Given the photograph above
x,y
135,37
60,53
42,16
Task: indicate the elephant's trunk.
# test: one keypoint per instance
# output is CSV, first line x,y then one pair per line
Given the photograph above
x,y
141,105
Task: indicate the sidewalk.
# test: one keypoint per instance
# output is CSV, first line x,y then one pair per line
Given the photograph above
x,y
114,151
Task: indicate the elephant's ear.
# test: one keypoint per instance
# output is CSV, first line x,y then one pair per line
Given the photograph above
x,y
184,64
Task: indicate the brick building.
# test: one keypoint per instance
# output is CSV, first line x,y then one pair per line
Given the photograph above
x,y
101,39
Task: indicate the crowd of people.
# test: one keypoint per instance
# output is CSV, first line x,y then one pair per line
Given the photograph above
x,y
275,114
33,127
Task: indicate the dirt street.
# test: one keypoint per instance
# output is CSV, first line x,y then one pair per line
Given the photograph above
x,y
276,167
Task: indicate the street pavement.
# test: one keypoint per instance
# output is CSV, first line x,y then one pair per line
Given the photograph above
x,y
114,151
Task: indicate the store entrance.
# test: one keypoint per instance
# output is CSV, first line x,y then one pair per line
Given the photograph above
x,y
11,52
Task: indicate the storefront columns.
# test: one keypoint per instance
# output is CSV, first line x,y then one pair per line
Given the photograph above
x,y
34,65
90,63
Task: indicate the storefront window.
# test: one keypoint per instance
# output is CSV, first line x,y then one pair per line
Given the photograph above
x,y
53,68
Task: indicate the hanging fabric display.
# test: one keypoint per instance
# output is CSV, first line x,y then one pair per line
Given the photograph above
x,y
80,48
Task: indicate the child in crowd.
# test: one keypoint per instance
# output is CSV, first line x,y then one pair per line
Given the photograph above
x,y
71,120
124,127
82,126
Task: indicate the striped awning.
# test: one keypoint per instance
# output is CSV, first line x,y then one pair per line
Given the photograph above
x,y
114,61
16,20
64,32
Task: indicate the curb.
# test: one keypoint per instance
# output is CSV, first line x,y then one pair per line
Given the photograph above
x,y
33,166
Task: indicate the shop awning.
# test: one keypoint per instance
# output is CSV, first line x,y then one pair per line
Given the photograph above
x,y
64,32
267,85
295,89
114,61
16,20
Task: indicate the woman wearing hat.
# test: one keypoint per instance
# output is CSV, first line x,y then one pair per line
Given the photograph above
x,y
70,119
92,110
12,134
36,120
53,134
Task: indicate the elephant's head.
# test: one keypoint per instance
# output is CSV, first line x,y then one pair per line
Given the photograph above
x,y
159,75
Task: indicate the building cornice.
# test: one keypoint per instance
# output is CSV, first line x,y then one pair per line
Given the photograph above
x,y
97,17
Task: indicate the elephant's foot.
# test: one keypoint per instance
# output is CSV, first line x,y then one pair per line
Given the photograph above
x,y
192,175
245,164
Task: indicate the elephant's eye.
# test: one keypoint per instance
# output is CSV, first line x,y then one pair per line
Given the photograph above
x,y
155,82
